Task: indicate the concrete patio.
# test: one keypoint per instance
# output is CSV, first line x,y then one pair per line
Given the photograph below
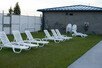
x,y
91,59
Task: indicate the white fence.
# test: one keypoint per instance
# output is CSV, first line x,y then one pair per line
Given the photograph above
x,y
19,22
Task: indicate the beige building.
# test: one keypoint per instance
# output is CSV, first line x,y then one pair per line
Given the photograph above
x,y
59,17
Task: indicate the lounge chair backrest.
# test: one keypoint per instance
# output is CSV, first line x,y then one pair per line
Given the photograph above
x,y
47,33
69,28
17,36
74,27
4,38
29,36
54,33
69,25
58,32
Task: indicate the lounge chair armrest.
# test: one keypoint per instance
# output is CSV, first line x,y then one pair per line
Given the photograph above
x,y
17,43
64,35
37,39
26,40
44,39
14,42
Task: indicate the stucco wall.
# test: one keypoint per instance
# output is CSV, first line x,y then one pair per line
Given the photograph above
x,y
53,19
61,19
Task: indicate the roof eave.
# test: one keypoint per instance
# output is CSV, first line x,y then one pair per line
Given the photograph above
x,y
69,10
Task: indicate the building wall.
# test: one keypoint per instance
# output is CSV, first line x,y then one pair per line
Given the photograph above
x,y
61,19
53,19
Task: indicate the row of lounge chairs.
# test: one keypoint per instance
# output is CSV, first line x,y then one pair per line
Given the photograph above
x,y
19,43
30,42
57,37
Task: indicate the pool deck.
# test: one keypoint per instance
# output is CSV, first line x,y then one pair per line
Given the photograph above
x,y
91,59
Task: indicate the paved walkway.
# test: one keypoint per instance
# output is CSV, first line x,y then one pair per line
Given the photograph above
x,y
91,59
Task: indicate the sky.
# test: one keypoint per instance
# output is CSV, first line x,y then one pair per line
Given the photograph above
x,y
29,7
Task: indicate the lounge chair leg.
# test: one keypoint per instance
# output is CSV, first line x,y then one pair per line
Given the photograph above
x,y
16,51
64,40
43,39
73,35
28,48
57,41
83,36
37,46
41,45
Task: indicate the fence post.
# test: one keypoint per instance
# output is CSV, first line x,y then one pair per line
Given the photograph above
x,y
10,23
2,20
19,23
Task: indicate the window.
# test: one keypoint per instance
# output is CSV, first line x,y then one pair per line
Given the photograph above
x,y
71,14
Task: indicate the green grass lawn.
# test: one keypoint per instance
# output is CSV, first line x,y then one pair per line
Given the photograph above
x,y
53,55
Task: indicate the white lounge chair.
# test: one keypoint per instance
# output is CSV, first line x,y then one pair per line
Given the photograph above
x,y
19,39
58,37
6,43
75,33
49,37
69,28
59,34
35,40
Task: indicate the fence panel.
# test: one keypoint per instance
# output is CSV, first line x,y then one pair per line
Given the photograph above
x,y
31,23
15,22
6,25
20,22
38,24
0,22
23,23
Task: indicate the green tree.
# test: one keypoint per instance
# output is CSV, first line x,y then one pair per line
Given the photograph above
x,y
10,10
17,10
